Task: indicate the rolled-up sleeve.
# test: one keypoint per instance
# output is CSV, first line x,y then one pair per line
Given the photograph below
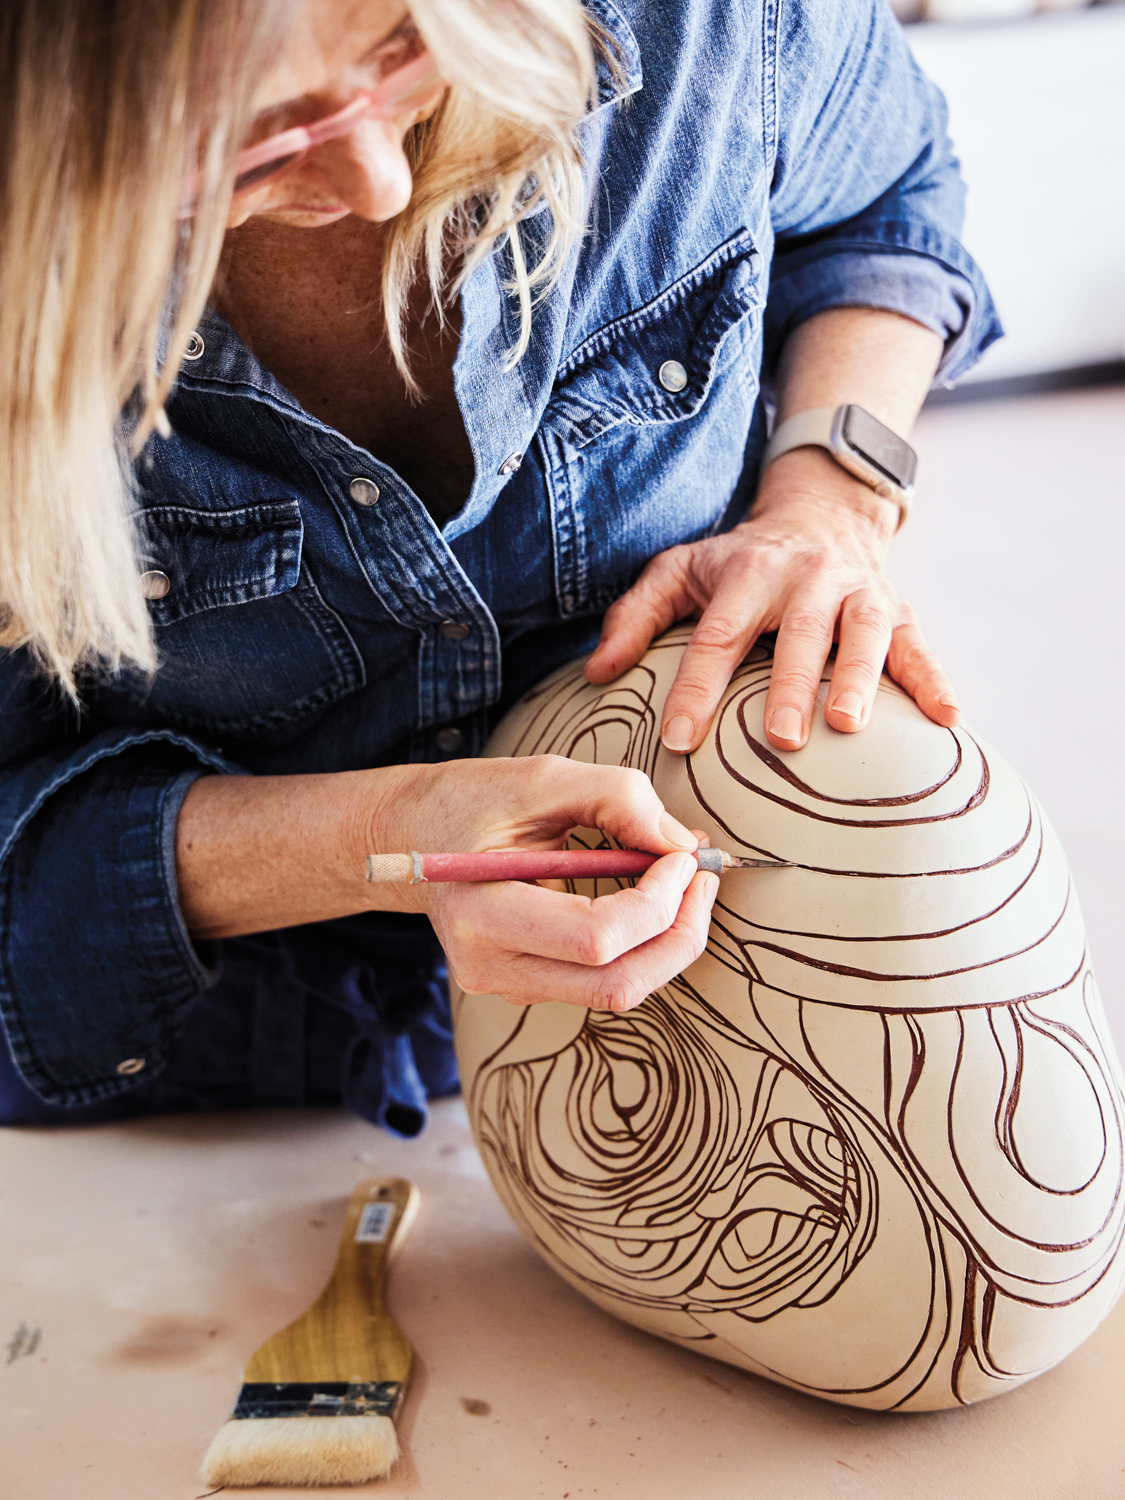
x,y
868,201
97,971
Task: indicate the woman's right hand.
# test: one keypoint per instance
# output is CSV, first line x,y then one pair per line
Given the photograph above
x,y
524,941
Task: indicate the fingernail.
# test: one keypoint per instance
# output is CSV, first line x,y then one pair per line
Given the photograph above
x,y
850,705
675,832
678,734
785,724
947,700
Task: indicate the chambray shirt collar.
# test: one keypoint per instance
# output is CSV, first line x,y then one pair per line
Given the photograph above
x,y
501,407
226,363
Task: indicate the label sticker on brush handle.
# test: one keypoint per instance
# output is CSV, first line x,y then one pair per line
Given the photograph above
x,y
374,1222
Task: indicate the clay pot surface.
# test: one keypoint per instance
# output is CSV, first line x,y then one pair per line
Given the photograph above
x,y
870,1143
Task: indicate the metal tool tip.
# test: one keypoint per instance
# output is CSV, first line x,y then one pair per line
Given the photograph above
x,y
743,862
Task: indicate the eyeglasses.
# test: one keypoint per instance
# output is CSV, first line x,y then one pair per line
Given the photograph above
x,y
409,86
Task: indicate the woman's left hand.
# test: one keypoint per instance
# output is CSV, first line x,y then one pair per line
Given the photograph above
x,y
808,564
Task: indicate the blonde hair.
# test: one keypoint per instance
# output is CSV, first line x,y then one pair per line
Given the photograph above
x,y
501,146
105,105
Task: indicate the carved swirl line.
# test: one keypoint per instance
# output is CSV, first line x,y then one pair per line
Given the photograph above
x,y
725,1173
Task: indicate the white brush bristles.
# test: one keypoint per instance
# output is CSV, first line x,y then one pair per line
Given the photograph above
x,y
300,1451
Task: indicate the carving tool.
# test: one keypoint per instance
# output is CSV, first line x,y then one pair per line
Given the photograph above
x,y
319,1399
544,864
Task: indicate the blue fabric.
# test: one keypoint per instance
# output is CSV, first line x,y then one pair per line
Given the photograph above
x,y
757,163
353,1012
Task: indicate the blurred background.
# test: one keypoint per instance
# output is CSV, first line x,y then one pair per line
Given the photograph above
x,y
1037,111
1013,555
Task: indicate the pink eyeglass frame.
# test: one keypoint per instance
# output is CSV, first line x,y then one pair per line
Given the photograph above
x,y
412,83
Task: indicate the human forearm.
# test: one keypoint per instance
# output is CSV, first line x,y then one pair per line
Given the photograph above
x,y
259,852
876,359
255,853
880,360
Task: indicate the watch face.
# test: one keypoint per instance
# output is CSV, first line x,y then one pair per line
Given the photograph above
x,y
880,447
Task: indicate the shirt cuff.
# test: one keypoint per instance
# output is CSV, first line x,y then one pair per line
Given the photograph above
x,y
97,969
907,269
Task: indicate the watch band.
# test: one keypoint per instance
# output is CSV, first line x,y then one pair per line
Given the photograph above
x,y
808,429
823,428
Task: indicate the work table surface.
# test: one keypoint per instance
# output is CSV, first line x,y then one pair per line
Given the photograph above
x,y
154,1256
140,1264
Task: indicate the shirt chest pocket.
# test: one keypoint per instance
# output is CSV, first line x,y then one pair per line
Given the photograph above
x,y
643,440
660,364
247,646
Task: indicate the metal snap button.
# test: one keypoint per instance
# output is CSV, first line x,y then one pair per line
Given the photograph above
x,y
155,584
672,375
363,491
195,347
448,740
454,630
511,463
131,1065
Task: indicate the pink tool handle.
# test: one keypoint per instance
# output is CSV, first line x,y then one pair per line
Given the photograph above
x,y
536,864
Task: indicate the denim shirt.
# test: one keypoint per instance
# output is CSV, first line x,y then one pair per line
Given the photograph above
x,y
758,162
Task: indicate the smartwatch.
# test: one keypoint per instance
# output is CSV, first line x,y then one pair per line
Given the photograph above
x,y
859,443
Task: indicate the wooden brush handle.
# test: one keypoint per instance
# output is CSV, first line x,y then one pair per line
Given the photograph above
x,y
347,1334
380,1211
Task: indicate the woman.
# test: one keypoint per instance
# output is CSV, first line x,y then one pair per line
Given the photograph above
x,y
477,385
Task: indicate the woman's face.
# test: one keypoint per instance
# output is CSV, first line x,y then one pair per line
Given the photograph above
x,y
334,49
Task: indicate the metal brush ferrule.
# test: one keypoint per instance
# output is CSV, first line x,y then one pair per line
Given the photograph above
x,y
321,1398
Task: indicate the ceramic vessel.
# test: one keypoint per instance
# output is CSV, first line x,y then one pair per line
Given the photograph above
x,y
870,1143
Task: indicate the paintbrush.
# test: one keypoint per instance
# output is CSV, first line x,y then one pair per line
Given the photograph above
x,y
544,864
319,1399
